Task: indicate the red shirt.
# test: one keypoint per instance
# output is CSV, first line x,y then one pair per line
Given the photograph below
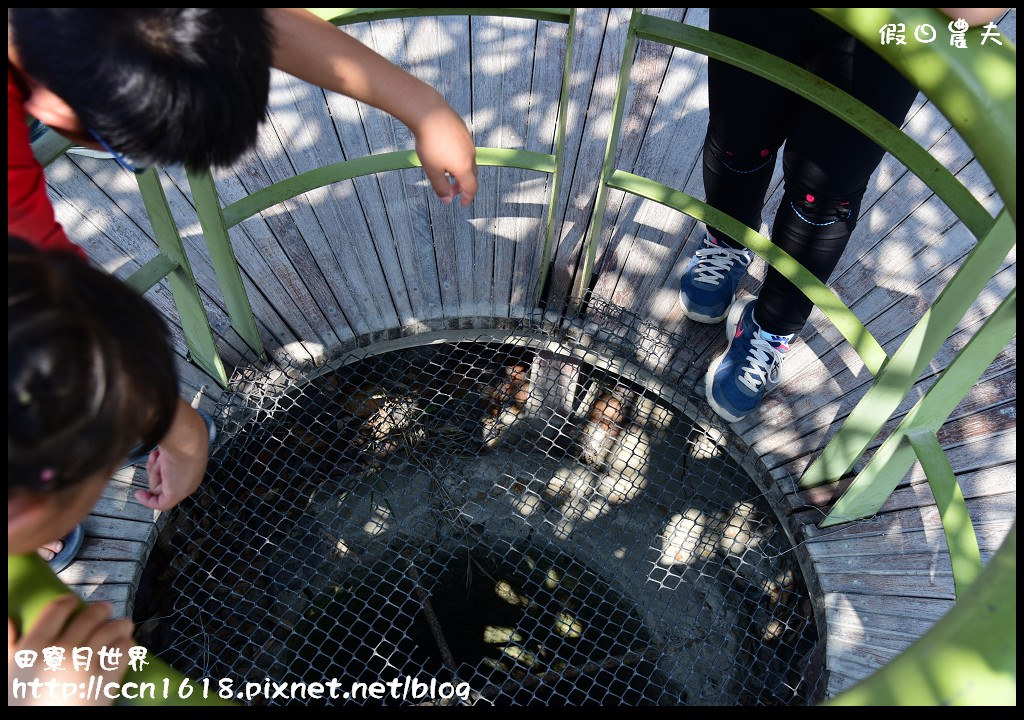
x,y
29,212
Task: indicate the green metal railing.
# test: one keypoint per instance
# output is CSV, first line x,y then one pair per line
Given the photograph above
x,y
977,92
170,262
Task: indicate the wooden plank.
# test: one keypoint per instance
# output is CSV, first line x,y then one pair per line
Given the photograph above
x,y
119,529
534,199
924,540
985,420
107,186
600,38
435,57
861,639
295,225
990,509
101,572
392,40
487,69
859,626
662,155
931,562
999,481
873,655
808,433
112,549
121,596
387,235
840,681
647,81
313,142
845,663
908,584
278,296
925,609
341,254
518,223
995,453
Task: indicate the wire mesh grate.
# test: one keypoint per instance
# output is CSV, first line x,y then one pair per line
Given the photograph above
x,y
543,511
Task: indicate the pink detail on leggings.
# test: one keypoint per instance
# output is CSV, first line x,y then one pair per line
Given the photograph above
x,y
764,153
809,198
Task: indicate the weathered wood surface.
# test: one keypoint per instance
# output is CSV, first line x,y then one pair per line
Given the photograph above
x,y
382,254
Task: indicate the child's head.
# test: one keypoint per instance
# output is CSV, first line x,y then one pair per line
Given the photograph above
x,y
90,375
159,85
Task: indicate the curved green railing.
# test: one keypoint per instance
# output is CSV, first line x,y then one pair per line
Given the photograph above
x,y
970,655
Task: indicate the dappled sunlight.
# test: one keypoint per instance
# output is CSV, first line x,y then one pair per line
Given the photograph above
x,y
379,520
693,536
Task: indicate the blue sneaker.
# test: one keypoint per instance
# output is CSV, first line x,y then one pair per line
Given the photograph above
x,y
749,368
709,282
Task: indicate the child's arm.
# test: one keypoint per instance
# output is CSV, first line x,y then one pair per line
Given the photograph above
x,y
59,626
317,52
177,465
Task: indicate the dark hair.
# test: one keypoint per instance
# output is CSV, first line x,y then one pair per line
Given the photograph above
x,y
90,372
160,85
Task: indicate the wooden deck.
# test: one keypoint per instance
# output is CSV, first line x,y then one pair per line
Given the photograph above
x,y
380,253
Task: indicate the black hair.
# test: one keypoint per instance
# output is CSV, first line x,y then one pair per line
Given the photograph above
x,y
160,85
90,372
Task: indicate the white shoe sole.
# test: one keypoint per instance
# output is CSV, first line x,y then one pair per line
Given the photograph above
x,y
735,311
696,316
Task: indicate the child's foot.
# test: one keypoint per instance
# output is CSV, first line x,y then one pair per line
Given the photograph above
x,y
709,282
739,378
59,553
49,550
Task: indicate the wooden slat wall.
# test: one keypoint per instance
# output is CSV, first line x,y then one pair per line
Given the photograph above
x,y
381,253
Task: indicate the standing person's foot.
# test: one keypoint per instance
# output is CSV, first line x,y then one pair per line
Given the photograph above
x,y
739,378
709,282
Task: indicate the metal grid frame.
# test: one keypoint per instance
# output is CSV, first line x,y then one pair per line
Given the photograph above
x,y
544,512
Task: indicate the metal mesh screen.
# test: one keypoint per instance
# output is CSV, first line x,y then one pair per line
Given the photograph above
x,y
545,512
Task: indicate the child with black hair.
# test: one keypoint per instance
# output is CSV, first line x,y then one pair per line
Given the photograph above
x,y
90,375
190,86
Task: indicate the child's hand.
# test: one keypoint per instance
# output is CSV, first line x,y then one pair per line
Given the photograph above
x,y
59,626
445,146
177,466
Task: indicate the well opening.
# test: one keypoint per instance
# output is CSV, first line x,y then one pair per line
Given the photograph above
x,y
546,512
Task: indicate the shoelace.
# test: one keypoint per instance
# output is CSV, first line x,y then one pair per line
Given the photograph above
x,y
715,261
764,362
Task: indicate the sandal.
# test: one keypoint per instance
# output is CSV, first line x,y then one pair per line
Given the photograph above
x,y
72,544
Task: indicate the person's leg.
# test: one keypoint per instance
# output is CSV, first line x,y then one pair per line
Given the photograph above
x,y
749,118
827,167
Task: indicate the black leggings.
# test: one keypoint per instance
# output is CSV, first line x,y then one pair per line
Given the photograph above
x,y
826,163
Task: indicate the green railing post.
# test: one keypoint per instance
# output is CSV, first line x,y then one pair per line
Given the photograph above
x,y
194,323
225,264
895,381
556,180
962,543
170,262
968,658
31,586
618,109
893,458
974,87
